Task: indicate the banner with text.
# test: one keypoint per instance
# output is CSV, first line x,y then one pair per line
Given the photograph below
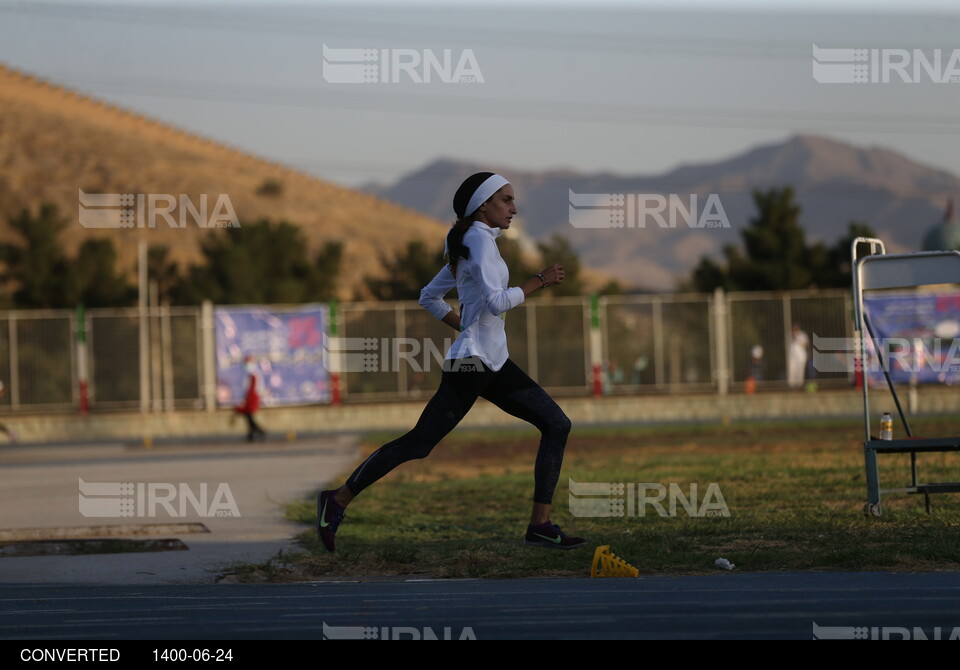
x,y
286,349
918,336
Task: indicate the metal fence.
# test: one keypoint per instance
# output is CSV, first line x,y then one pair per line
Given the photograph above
x,y
157,360
766,319
659,343
165,342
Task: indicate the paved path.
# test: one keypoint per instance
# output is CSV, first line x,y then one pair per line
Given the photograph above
x,y
39,488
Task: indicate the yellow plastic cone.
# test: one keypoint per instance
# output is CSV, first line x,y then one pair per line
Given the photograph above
x,y
606,564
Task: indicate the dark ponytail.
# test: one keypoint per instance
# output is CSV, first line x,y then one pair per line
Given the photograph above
x,y
456,249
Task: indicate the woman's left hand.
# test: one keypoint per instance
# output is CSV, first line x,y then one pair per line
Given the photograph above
x,y
553,275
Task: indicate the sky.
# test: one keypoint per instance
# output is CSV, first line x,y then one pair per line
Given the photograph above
x,y
629,88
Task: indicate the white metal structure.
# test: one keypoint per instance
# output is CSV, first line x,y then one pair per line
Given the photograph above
x,y
878,271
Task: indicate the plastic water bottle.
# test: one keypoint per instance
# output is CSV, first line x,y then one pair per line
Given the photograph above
x,y
886,426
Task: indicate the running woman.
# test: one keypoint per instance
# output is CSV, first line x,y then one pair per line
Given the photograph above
x,y
477,364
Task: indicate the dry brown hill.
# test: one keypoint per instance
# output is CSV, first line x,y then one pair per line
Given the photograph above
x,y
55,142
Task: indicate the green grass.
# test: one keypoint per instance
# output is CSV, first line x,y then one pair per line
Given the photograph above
x,y
794,490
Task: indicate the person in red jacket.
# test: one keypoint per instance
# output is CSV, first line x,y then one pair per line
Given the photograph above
x,y
251,402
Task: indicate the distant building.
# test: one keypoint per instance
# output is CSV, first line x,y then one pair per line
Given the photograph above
x,y
944,236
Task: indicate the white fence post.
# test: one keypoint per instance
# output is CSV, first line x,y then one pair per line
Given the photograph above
x,y
720,341
144,330
658,363
209,356
166,355
14,363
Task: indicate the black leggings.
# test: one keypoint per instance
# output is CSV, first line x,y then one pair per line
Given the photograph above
x,y
463,382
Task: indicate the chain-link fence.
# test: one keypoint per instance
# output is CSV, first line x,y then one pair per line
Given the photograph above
x,y
657,343
155,360
39,370
761,335
146,361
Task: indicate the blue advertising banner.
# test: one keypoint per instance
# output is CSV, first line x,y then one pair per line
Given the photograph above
x,y
285,349
918,336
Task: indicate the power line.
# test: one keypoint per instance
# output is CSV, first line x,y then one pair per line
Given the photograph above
x,y
373,102
396,33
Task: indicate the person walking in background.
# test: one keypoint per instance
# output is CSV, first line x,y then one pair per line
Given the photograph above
x,y
477,365
251,402
797,357
755,373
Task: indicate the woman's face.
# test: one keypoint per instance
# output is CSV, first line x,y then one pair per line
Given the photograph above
x,y
499,210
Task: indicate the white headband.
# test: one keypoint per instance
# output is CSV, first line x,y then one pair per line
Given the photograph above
x,y
493,184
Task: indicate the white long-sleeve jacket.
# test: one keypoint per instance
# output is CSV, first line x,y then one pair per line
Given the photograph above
x,y
482,286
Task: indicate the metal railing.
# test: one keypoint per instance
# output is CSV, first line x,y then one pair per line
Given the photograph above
x,y
157,359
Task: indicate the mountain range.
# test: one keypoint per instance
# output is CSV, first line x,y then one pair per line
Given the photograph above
x,y
834,183
55,143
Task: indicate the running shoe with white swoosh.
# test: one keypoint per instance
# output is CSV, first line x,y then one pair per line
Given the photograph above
x,y
549,536
329,516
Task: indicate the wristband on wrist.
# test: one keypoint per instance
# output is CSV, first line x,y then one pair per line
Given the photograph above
x,y
542,280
